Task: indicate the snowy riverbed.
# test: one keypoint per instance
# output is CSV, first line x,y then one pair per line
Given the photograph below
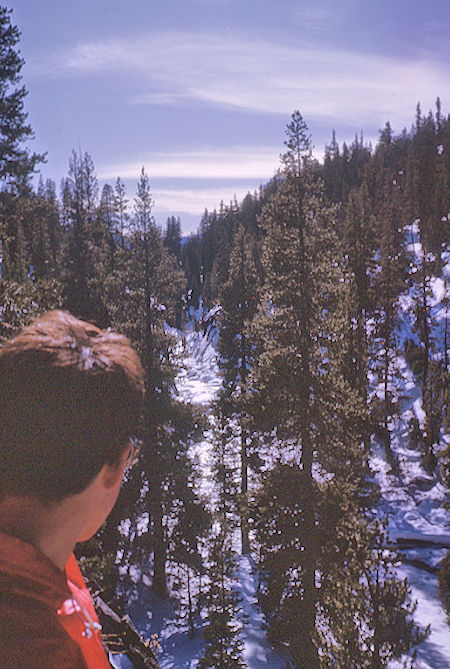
x,y
411,498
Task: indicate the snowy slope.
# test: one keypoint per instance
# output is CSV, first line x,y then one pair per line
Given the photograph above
x,y
198,383
411,498
257,653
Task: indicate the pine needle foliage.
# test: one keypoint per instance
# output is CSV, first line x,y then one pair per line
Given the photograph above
x,y
223,647
310,524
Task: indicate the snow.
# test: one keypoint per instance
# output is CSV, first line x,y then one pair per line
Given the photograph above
x,y
433,653
438,289
199,381
258,654
410,498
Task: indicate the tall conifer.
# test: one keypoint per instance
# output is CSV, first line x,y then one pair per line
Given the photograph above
x,y
238,299
309,508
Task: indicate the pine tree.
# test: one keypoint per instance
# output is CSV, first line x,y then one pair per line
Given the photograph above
x,y
332,171
238,298
223,649
191,263
423,360
42,221
28,279
372,607
16,163
172,242
389,283
309,506
82,242
141,294
294,258
191,522
120,205
359,245
147,248
429,181
172,237
428,185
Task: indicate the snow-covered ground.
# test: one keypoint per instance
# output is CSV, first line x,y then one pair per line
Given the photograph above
x,y
258,654
418,523
411,498
198,382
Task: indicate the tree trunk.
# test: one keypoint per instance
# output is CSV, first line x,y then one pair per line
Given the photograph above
x,y
191,615
159,583
310,551
244,495
309,653
245,542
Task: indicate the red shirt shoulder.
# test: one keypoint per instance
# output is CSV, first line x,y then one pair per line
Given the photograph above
x,y
32,633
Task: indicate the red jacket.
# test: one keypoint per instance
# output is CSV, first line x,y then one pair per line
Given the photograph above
x,y
47,618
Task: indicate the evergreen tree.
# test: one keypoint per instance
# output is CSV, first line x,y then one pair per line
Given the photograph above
x,y
359,246
389,283
140,297
219,272
148,330
309,507
423,359
332,171
295,263
191,521
428,175
373,607
121,204
238,298
16,162
17,165
191,263
172,237
82,240
42,221
223,649
172,242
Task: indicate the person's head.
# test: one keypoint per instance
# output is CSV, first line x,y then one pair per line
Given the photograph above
x,y
70,400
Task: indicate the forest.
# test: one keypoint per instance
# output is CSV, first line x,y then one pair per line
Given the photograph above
x,y
303,286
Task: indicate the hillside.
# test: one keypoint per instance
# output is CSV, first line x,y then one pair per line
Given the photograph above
x,y
410,498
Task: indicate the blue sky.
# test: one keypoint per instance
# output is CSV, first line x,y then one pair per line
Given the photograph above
x,y
200,91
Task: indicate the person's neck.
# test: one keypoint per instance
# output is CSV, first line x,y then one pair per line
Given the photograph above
x,y
47,527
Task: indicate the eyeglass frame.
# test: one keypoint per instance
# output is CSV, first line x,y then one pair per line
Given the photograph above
x,y
133,455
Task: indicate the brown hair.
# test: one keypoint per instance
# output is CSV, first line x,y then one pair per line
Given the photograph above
x,y
70,398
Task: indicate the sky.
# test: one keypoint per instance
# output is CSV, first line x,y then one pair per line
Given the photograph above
x,y
199,92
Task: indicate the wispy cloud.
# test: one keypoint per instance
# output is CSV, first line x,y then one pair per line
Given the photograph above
x,y
258,76
192,201
212,175
234,162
